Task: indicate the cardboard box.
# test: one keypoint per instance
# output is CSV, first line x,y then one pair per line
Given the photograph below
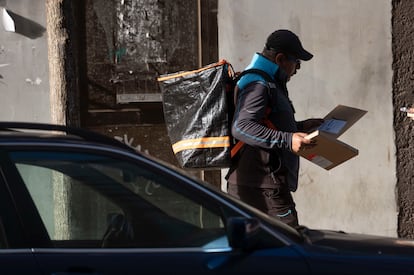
x,y
326,150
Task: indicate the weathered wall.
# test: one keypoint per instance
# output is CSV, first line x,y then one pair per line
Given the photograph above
x,y
351,43
403,95
128,44
24,81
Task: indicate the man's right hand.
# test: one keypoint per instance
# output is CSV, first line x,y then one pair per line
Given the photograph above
x,y
299,141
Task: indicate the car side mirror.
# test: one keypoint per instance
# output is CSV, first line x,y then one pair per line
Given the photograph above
x,y
241,232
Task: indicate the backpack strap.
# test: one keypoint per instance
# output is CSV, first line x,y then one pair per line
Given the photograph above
x,y
266,121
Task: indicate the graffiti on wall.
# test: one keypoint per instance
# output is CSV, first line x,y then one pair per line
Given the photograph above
x,y
130,43
130,142
150,186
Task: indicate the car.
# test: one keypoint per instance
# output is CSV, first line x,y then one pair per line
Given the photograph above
x,y
76,202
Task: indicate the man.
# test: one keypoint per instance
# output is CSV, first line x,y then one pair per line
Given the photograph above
x,y
265,170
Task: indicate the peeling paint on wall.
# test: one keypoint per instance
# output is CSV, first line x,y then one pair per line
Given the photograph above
x,y
131,42
140,30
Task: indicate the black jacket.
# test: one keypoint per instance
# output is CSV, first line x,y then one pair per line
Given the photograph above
x,y
266,156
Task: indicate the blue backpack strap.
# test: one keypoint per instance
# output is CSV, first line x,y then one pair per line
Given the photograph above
x,y
257,72
270,82
271,87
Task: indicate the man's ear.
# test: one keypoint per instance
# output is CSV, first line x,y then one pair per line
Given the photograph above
x,y
280,58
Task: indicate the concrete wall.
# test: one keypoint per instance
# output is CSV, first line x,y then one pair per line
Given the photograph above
x,y
403,95
351,43
24,81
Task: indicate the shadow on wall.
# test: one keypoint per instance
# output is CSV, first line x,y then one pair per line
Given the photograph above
x,y
13,22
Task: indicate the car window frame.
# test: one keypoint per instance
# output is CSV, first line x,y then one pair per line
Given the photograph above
x,y
27,228
205,192
22,193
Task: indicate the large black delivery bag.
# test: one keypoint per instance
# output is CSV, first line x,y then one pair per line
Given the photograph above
x,y
196,106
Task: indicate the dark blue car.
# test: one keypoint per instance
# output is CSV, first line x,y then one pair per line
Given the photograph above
x,y
75,202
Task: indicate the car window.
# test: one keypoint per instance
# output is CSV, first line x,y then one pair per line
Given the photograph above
x,y
90,200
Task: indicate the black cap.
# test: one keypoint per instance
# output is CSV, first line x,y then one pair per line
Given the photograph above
x,y
285,41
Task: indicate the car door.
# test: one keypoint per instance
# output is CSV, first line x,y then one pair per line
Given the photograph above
x,y
115,214
16,256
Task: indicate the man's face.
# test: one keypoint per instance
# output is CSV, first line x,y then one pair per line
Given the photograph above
x,y
290,65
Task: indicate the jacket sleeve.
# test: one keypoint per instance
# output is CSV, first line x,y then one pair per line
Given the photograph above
x,y
248,127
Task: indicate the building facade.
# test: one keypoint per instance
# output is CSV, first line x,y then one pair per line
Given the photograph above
x,y
363,54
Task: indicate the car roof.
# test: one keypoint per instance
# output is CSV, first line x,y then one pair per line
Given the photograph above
x,y
46,132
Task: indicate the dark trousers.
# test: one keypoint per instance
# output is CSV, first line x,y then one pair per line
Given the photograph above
x,y
276,201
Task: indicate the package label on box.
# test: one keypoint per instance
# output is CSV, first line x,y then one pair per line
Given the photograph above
x,y
319,160
333,126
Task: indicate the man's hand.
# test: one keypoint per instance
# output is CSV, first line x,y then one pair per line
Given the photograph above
x,y
300,142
